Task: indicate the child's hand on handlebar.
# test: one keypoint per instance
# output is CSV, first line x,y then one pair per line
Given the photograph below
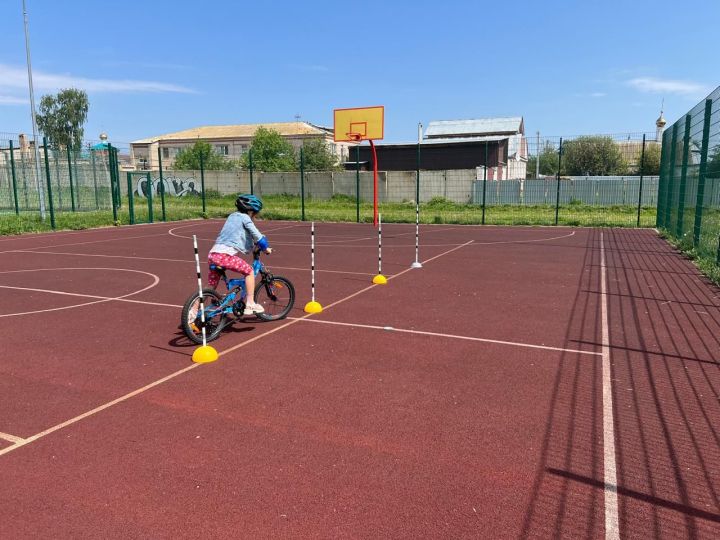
x,y
268,250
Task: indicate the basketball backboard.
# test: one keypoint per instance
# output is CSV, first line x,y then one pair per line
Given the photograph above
x,y
359,124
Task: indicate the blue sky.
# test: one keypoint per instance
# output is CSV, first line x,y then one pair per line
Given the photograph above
x,y
568,67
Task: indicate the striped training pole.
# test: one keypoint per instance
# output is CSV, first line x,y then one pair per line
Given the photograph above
x,y
417,263
312,260
199,278
380,279
380,244
312,306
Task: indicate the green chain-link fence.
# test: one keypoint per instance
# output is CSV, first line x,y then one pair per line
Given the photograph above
x,y
593,181
689,205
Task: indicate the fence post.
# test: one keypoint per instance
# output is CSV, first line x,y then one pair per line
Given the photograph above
x,y
162,184
70,176
557,196
77,178
131,202
642,170
92,161
14,180
202,182
148,183
114,179
700,201
662,181
49,185
683,177
484,181
670,186
357,182
302,183
112,183
250,166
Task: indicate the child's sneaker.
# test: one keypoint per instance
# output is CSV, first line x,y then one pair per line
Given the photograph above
x,y
252,309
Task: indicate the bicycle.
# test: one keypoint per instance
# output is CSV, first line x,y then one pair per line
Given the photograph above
x,y
275,293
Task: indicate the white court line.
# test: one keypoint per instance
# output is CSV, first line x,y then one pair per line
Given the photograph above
x,y
184,370
11,438
339,244
451,336
612,526
95,410
398,246
156,280
63,293
272,267
171,232
92,242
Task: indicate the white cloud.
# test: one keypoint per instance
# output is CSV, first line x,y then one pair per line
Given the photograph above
x,y
12,100
15,78
598,94
667,86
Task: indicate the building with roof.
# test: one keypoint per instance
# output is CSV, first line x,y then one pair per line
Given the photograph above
x,y
231,141
496,143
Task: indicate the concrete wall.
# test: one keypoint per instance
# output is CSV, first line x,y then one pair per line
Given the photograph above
x,y
459,186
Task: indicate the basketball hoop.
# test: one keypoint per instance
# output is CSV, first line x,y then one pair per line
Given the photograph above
x,y
354,136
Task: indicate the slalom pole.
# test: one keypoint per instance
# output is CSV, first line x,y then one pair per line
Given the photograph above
x,y
417,263
380,279
206,353
312,306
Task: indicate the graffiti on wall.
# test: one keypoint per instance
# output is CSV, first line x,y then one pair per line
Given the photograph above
x,y
174,186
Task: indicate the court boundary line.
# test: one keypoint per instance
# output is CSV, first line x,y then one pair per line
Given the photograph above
x,y
450,336
612,526
103,299
176,260
337,323
175,374
11,438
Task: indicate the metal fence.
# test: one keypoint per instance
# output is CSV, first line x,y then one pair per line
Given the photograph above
x,y
594,181
689,205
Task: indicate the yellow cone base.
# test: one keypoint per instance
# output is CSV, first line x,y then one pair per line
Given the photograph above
x,y
204,355
380,280
313,307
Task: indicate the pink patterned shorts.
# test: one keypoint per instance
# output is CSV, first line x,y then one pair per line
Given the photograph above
x,y
229,262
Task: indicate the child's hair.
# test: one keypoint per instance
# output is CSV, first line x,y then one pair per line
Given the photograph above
x,y
247,202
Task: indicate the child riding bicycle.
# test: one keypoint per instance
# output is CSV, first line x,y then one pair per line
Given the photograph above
x,y
239,235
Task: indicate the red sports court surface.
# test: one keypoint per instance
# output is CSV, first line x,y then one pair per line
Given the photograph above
x,y
525,383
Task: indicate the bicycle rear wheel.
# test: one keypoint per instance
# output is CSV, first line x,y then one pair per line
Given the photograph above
x,y
277,296
191,319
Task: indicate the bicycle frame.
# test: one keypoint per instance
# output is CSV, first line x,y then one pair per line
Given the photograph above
x,y
235,286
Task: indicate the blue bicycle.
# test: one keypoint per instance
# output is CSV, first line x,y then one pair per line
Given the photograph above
x,y
275,293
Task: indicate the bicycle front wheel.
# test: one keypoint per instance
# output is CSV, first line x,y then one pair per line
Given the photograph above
x,y
191,319
277,296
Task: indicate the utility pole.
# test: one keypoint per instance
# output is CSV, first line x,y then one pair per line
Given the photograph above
x,y
41,193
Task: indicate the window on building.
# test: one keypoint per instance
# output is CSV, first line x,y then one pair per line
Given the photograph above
x,y
166,152
223,149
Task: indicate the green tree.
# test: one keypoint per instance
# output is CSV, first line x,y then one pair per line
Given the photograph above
x,y
593,156
188,159
317,156
651,163
270,152
548,161
61,117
